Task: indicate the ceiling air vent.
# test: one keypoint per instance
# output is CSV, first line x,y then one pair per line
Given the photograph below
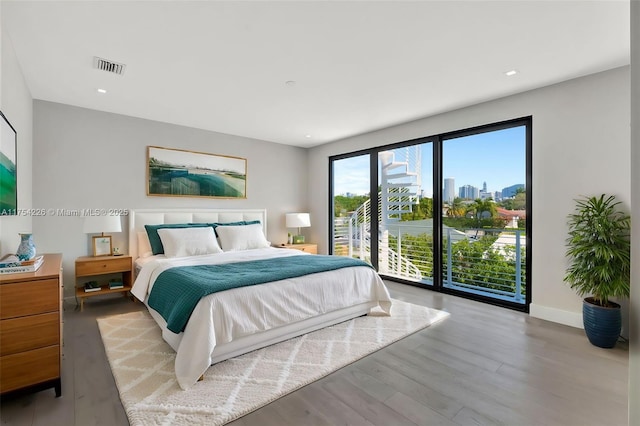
x,y
109,66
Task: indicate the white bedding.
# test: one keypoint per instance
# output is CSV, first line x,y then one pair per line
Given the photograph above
x,y
223,317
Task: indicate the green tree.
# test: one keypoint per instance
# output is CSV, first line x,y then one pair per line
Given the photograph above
x,y
482,209
518,202
474,263
456,208
478,263
422,210
343,206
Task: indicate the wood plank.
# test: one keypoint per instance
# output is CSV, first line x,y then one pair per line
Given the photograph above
x,y
445,374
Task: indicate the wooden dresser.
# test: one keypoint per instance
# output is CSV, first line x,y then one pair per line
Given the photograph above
x,y
31,328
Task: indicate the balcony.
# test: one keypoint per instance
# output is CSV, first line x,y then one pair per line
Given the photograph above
x,y
486,262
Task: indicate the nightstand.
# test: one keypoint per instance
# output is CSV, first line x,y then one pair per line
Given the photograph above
x,y
309,248
91,268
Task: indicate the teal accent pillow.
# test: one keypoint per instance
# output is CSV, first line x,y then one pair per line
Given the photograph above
x,y
154,239
240,223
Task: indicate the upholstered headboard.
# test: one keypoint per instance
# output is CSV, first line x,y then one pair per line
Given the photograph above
x,y
139,218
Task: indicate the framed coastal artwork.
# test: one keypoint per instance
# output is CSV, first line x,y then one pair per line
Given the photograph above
x,y
8,161
182,173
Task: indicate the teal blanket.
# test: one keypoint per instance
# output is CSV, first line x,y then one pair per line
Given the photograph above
x,y
177,291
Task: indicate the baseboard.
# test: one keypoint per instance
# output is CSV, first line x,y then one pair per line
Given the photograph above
x,y
573,319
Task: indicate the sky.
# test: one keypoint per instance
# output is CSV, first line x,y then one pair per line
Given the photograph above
x,y
495,157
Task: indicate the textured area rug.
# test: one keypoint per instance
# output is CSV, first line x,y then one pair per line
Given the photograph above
x,y
142,365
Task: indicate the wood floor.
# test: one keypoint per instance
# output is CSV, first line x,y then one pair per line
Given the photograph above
x,y
482,366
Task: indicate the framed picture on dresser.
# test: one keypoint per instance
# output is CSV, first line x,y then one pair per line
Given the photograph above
x,y
8,162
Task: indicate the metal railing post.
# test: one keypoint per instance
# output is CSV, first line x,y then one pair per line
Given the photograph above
x,y
518,268
350,238
449,260
361,241
399,252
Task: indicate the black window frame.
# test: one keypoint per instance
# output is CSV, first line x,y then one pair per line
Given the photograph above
x,y
438,141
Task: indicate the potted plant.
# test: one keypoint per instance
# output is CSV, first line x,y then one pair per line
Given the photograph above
x,y
598,249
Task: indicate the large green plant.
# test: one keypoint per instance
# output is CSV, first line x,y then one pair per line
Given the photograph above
x,y
598,249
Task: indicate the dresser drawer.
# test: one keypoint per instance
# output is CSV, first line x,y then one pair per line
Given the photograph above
x,y
29,368
27,333
29,298
97,267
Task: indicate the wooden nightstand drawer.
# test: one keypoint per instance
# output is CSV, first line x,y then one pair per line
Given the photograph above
x,y
29,298
29,368
27,333
106,266
306,247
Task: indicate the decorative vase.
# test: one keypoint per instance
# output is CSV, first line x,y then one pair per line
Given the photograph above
x,y
601,324
26,249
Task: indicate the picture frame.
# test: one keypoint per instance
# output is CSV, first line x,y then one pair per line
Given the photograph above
x,y
183,173
102,245
8,167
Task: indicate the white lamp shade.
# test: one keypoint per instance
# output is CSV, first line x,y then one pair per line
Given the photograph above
x,y
100,224
298,220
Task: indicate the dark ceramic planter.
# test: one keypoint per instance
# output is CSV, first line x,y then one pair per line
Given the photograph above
x,y
601,324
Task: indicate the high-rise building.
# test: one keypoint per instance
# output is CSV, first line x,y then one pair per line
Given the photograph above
x,y
449,192
510,191
484,186
469,192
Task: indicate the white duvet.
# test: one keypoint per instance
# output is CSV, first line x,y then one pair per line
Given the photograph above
x,y
222,317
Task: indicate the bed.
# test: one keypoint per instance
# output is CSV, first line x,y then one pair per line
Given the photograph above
x,y
229,323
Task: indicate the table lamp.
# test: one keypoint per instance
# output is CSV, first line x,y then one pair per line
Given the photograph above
x,y
298,220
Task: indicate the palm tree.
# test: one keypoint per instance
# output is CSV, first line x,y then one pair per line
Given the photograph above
x,y
482,209
456,208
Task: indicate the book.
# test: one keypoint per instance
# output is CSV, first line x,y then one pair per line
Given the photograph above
x,y
9,265
115,283
9,261
91,286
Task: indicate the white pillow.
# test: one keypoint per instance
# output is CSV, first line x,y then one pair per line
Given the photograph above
x,y
144,247
181,242
245,237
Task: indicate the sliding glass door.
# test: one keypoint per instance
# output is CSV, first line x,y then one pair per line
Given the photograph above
x,y
351,207
405,182
485,213
450,212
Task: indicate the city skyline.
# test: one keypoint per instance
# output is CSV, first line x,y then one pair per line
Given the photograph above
x,y
469,160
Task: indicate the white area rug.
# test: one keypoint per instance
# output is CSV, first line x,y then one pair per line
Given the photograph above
x,y
142,364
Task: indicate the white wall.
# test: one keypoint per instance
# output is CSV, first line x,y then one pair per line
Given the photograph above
x,y
634,335
90,159
17,106
580,146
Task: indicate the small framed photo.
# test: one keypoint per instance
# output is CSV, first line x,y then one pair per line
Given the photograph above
x,y
102,246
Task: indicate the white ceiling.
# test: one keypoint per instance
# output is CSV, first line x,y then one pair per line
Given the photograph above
x,y
358,66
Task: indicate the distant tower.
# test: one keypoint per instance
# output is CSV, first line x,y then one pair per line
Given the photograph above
x,y
449,192
469,192
484,186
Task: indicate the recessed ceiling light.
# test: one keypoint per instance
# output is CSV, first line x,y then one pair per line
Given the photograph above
x,y
510,73
307,136
102,91
290,83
